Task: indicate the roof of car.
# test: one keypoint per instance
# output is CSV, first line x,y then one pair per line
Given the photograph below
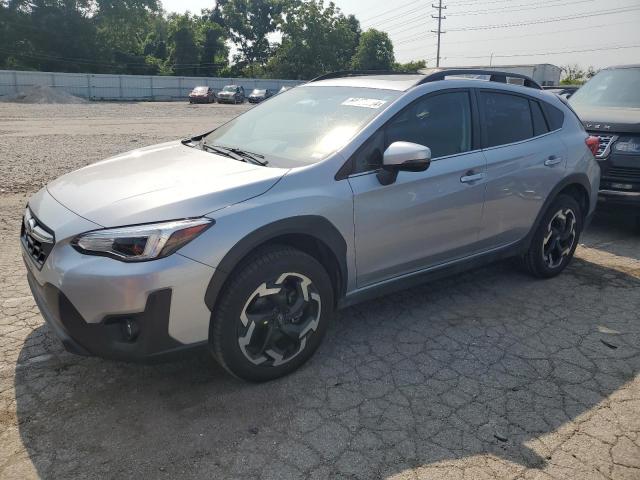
x,y
616,67
404,81
388,82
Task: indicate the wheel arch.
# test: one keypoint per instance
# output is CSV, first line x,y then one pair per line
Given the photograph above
x,y
314,235
578,186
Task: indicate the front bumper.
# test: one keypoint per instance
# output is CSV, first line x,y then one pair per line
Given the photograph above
x,y
227,100
87,300
619,177
109,339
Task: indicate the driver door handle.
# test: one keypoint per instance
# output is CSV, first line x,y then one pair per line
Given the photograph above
x,y
471,177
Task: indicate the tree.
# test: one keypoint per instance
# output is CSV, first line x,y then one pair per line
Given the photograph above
x,y
315,40
574,75
410,67
249,22
214,51
183,51
375,52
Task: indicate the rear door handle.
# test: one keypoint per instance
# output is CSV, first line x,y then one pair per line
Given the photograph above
x,y
471,177
552,160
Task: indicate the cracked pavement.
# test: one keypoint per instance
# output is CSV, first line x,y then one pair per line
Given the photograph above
x,y
487,374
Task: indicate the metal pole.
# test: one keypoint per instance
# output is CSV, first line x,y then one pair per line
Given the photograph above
x,y
439,7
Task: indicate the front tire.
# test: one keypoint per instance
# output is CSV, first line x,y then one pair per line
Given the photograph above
x,y
556,238
272,314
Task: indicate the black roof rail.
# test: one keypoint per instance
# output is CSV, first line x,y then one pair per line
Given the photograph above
x,y
494,76
355,73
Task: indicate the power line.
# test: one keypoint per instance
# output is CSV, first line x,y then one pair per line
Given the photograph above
x,y
616,47
83,61
547,20
392,10
518,8
439,7
506,37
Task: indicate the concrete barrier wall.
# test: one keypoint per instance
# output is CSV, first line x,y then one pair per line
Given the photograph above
x,y
126,87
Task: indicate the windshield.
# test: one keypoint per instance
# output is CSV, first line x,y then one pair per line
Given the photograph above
x,y
200,90
303,125
258,92
610,88
229,88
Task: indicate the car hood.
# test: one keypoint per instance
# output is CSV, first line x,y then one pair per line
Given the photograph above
x,y
226,94
611,120
160,182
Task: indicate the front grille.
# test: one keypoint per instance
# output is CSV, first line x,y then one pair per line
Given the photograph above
x,y
624,173
605,143
37,239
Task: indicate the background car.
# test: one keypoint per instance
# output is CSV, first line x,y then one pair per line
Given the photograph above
x,y
202,95
258,95
564,91
609,107
231,94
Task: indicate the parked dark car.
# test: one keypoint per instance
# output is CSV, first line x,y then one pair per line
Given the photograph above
x,y
202,95
258,95
564,91
231,94
609,107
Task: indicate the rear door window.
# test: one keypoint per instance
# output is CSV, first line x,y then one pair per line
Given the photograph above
x,y
506,118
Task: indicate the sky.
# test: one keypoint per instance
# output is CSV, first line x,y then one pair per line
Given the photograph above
x,y
594,33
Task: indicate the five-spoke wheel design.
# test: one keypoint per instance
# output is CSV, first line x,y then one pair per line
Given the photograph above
x,y
278,318
560,237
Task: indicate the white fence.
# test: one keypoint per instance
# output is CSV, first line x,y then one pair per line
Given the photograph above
x,y
126,87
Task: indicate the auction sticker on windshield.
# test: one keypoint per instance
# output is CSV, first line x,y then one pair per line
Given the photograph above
x,y
364,102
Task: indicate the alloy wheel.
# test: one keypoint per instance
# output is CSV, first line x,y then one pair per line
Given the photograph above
x,y
560,237
278,319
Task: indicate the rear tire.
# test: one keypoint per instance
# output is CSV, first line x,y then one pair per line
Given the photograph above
x,y
555,240
272,314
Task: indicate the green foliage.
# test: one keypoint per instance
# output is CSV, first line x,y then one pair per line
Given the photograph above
x,y
574,75
315,40
375,51
410,67
137,37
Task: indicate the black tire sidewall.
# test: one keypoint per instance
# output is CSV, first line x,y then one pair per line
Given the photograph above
x,y
536,259
265,266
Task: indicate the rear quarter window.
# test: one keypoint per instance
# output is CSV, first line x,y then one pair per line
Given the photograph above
x,y
555,116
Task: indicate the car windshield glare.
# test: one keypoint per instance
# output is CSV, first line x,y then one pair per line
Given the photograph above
x,y
610,88
258,92
229,88
304,125
200,90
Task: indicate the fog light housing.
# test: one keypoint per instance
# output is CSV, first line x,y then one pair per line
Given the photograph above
x,y
130,329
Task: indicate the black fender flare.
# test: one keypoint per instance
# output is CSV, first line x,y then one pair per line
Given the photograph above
x,y
310,225
574,179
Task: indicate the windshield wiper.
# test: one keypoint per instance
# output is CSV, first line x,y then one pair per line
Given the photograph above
x,y
221,151
255,158
237,154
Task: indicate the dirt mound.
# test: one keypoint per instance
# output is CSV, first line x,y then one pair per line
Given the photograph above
x,y
42,94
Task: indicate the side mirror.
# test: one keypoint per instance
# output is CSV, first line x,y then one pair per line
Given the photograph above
x,y
406,156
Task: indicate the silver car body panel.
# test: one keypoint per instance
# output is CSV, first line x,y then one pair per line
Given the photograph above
x,y
423,220
164,182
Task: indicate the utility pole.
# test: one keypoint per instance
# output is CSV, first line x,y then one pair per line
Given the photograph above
x,y
438,7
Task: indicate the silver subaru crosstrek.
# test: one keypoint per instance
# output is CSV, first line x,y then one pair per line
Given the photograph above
x,y
247,238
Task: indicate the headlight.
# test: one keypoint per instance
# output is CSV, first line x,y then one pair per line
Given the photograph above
x,y
627,145
141,242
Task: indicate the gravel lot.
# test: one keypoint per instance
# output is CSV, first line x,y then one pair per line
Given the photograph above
x,y
488,374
